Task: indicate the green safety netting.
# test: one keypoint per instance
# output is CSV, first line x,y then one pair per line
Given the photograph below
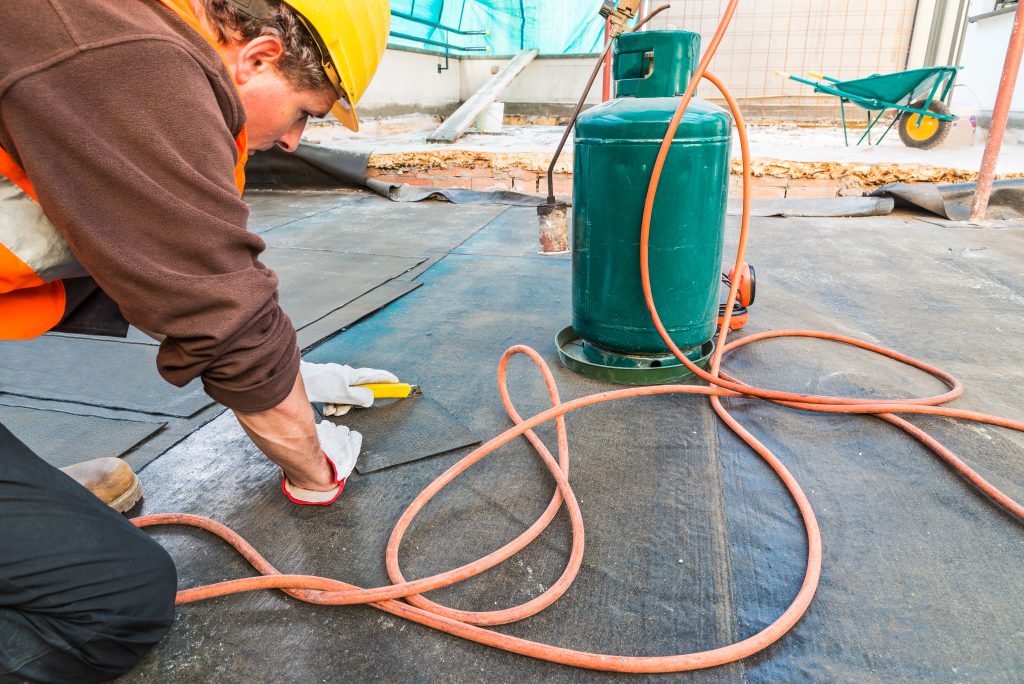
x,y
554,27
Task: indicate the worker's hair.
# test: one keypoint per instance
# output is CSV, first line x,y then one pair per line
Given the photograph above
x,y
300,61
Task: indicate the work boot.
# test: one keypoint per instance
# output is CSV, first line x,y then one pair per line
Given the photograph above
x,y
110,479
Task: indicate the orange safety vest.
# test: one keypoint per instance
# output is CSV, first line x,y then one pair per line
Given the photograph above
x,y
34,257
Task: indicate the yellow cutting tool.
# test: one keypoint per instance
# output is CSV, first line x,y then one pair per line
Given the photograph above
x,y
392,390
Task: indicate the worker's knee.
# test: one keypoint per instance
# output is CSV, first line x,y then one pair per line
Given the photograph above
x,y
125,606
136,616
153,593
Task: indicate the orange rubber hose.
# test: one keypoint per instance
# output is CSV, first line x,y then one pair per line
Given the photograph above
x,y
469,624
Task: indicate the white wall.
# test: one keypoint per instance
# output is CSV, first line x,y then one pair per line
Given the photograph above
x,y
984,52
544,80
409,82
949,25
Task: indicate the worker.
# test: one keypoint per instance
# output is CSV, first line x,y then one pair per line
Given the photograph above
x,y
124,129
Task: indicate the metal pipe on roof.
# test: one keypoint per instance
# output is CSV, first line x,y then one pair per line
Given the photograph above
x,y
1000,114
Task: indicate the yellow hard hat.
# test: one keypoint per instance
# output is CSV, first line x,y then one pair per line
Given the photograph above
x,y
351,35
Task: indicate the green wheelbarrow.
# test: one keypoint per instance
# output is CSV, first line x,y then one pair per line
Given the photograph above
x,y
924,120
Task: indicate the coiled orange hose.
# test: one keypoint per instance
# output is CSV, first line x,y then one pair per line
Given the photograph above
x,y
403,597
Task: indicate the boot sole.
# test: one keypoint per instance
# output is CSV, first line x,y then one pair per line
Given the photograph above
x,y
130,497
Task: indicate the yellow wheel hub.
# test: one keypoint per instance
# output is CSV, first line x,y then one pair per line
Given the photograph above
x,y
928,126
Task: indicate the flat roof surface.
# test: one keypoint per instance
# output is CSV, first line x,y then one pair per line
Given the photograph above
x,y
691,541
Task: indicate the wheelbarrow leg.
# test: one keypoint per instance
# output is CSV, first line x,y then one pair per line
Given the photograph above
x,y
870,126
888,128
842,111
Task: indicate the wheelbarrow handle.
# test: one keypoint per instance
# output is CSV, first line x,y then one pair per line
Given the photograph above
x,y
812,74
799,79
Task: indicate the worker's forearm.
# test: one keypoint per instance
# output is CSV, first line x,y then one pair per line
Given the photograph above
x,y
287,435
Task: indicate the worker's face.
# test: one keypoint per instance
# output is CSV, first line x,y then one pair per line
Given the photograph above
x,y
276,111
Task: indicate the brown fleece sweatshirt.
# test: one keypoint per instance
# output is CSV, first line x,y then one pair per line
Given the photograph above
x,y
124,119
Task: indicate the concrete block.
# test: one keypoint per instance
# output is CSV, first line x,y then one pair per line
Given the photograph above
x,y
852,191
523,174
524,185
849,187
772,181
447,182
474,171
563,186
491,184
767,192
811,188
416,180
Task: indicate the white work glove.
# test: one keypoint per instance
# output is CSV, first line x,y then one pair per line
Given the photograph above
x,y
341,446
335,385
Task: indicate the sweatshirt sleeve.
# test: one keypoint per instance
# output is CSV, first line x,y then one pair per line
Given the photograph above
x,y
131,156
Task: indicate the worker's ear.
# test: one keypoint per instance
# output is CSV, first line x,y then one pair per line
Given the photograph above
x,y
256,56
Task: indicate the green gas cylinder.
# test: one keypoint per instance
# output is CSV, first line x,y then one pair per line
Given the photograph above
x,y
616,144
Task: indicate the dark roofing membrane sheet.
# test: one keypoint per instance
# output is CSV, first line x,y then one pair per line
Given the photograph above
x,y
691,541
323,290
62,439
95,372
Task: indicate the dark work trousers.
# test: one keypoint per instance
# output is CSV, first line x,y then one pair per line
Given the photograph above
x,y
89,311
84,594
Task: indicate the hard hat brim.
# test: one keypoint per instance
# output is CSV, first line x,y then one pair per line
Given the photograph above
x,y
346,114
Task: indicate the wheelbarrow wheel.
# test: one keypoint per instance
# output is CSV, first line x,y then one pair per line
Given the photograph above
x,y
930,131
